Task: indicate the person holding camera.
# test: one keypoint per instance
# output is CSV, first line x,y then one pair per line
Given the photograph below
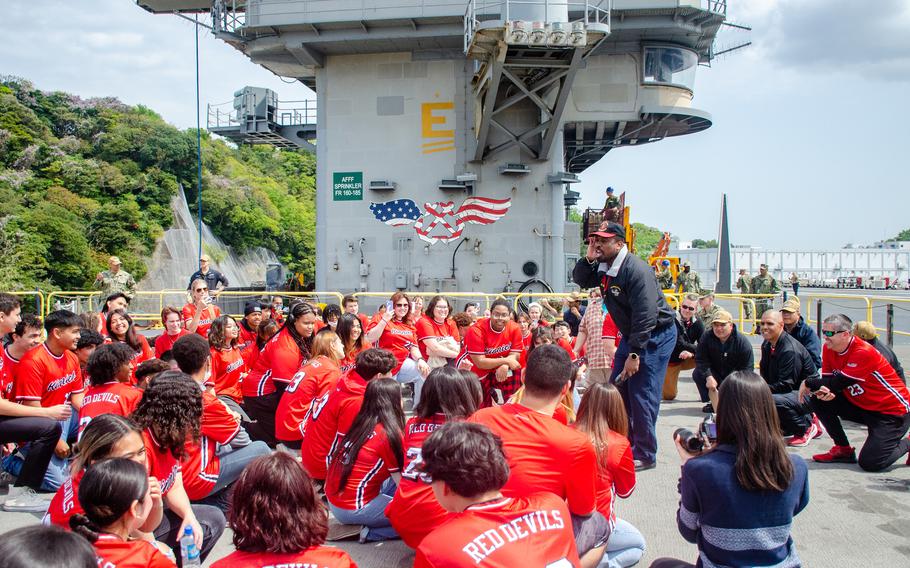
x,y
784,365
200,311
858,384
738,499
721,350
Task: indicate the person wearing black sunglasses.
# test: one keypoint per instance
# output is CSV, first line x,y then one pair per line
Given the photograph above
x,y
689,330
858,384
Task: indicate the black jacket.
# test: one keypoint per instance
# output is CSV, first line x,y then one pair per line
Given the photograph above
x,y
687,336
212,278
632,297
889,356
787,365
809,339
720,359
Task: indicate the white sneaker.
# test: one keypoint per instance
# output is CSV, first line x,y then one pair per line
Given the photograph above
x,y
27,502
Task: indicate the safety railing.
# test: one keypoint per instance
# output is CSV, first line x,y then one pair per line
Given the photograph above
x,y
32,299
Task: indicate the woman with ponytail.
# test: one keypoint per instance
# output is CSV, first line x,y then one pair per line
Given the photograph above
x,y
276,366
115,497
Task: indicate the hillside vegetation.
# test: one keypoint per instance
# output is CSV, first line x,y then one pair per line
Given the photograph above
x,y
81,180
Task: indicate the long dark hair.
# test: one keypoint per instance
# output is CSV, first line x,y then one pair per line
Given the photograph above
x,y
381,405
216,333
345,330
131,338
106,493
171,407
298,310
432,305
99,438
747,418
448,392
267,330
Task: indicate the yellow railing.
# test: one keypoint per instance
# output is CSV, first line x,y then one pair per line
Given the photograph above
x,y
38,295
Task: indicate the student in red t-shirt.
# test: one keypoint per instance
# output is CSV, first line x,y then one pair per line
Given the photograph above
x,y
34,546
565,411
249,326
110,391
116,301
467,469
562,337
494,345
276,366
535,313
116,500
394,332
448,395
278,520
437,334
365,467
524,322
268,328
200,311
351,305
545,455
172,320
602,416
463,322
227,365
120,329
315,378
350,331
26,335
331,415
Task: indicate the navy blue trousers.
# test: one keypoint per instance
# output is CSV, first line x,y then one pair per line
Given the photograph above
x,y
642,391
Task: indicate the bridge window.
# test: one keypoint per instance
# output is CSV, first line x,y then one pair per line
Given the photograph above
x,y
670,66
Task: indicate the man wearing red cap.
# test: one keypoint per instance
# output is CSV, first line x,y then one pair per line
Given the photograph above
x,y
630,292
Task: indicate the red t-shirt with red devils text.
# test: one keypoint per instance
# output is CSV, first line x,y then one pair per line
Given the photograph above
x,y
398,337
8,365
350,358
110,398
114,552
544,455
165,342
315,557
162,464
278,361
328,420
202,466
480,339
317,377
429,330
210,314
535,530
414,511
375,463
878,387
65,503
227,367
43,376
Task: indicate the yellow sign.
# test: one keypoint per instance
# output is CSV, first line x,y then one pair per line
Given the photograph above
x,y
433,115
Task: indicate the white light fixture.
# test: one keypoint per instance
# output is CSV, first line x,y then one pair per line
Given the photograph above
x,y
517,32
538,35
558,36
579,36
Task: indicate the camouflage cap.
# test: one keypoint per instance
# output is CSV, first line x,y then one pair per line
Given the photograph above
x,y
722,316
864,330
114,260
687,263
791,305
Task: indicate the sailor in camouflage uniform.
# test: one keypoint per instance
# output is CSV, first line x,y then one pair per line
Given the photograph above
x,y
688,280
764,283
115,280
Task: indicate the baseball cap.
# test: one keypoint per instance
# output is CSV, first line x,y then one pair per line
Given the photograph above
x,y
722,316
252,307
687,263
706,294
204,257
865,330
763,265
115,260
791,305
609,229
665,263
609,190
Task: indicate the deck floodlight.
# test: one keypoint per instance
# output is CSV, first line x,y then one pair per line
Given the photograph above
x,y
558,36
538,35
517,32
578,37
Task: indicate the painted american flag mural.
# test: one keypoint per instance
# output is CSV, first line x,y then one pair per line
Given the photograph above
x,y
441,221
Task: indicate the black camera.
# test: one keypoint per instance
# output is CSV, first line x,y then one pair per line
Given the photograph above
x,y
695,443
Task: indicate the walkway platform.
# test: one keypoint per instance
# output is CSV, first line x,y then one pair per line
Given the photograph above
x,y
854,518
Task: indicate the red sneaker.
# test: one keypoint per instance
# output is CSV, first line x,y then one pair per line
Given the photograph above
x,y
800,441
818,426
837,454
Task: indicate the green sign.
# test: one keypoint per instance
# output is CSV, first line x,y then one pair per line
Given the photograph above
x,y
347,186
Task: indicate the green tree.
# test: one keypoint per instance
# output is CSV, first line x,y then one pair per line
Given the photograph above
x,y
646,238
703,244
902,236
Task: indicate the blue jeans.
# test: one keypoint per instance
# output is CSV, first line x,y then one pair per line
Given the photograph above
x,y
641,392
233,463
408,373
376,525
625,547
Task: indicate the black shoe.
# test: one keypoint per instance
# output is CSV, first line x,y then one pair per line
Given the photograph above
x,y
708,408
643,465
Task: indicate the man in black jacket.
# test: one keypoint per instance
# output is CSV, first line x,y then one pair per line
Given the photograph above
x,y
784,365
795,325
629,289
689,330
721,350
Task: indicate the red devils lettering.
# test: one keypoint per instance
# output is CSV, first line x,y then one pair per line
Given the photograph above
x,y
524,526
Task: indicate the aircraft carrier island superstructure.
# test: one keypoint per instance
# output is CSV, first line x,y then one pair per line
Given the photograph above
x,y
448,132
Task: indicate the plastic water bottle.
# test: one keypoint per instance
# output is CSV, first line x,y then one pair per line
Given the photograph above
x,y
189,554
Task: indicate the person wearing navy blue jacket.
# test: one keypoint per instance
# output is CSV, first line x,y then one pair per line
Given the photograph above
x,y
640,311
738,498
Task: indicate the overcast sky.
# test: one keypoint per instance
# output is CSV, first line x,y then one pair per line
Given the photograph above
x,y
810,123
